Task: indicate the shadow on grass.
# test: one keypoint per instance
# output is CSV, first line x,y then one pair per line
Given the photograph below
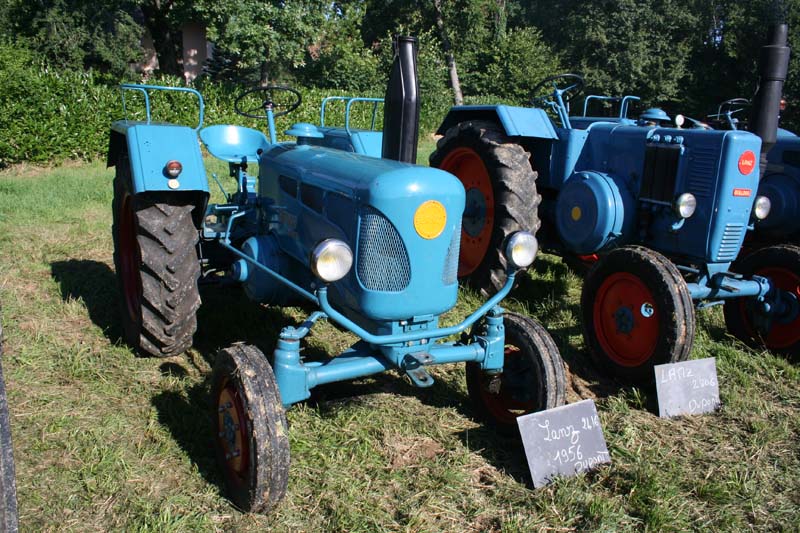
x,y
187,416
96,284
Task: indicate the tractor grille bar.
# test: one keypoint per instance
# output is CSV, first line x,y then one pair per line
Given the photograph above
x,y
731,241
660,172
450,274
382,262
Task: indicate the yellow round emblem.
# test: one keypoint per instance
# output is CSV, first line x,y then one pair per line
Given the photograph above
x,y
576,213
430,219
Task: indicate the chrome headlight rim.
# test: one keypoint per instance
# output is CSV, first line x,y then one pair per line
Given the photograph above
x,y
685,205
331,260
521,249
762,207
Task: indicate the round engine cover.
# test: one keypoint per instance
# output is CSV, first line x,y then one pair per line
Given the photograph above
x,y
783,192
590,212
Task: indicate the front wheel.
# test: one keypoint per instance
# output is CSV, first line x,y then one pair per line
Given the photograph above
x,y
252,434
501,197
743,319
637,313
8,493
533,376
155,257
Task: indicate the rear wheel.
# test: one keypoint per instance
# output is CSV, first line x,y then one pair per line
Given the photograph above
x,y
155,256
8,492
501,197
532,380
252,434
637,313
781,334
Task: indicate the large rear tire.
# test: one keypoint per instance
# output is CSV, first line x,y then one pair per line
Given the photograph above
x,y
533,377
252,433
781,264
155,256
8,491
501,197
637,313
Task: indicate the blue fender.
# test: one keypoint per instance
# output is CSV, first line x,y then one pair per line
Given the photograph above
x,y
150,147
516,121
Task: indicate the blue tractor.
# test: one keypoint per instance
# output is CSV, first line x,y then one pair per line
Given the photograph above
x,y
660,211
371,243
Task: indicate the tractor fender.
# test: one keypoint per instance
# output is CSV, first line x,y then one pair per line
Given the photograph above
x,y
149,147
528,122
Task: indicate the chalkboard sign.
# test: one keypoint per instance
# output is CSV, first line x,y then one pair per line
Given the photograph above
x,y
563,441
687,388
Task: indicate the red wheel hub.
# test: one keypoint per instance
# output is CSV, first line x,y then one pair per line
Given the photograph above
x,y
626,319
232,433
782,334
512,400
476,230
130,259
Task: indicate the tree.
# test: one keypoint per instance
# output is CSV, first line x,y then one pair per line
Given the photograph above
x,y
266,38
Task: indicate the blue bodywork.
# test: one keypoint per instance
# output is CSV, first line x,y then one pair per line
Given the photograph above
x,y
402,278
781,184
609,181
150,145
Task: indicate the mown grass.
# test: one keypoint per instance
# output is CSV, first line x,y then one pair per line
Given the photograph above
x,y
108,441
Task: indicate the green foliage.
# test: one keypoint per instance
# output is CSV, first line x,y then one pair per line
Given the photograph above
x,y
511,66
77,34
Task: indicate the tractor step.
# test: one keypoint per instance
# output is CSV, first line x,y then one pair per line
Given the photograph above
x,y
414,366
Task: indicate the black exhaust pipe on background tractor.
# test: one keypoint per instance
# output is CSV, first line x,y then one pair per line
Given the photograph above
x,y
773,65
401,106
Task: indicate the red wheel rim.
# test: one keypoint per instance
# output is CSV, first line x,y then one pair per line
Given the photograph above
x,y
625,333
130,259
232,433
504,406
468,167
780,335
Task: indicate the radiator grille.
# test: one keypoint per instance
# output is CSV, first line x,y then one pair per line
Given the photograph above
x,y
703,171
382,263
731,242
660,172
450,274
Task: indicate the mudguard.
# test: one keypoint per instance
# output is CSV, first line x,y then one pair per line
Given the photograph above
x,y
150,147
516,121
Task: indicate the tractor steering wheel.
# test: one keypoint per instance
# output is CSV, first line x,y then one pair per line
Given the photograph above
x,y
574,86
262,99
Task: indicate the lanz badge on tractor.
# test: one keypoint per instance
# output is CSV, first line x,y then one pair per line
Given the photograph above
x,y
372,242
659,212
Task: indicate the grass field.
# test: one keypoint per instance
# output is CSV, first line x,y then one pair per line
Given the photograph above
x,y
108,441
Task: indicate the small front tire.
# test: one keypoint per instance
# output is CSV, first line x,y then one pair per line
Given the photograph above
x,y
250,428
533,377
637,313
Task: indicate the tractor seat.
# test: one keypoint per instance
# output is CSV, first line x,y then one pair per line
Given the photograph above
x,y
234,144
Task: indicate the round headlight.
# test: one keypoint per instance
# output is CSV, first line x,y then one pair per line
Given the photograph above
x,y
680,120
331,260
685,205
521,249
762,207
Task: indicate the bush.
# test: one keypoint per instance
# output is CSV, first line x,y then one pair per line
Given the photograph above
x,y
51,115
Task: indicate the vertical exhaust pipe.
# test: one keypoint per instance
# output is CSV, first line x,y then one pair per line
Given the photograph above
x,y
773,64
401,106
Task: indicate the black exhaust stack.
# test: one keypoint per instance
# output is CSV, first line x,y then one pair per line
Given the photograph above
x,y
773,65
401,106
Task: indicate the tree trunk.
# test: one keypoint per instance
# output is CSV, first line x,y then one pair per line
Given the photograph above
x,y
263,78
165,41
458,96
